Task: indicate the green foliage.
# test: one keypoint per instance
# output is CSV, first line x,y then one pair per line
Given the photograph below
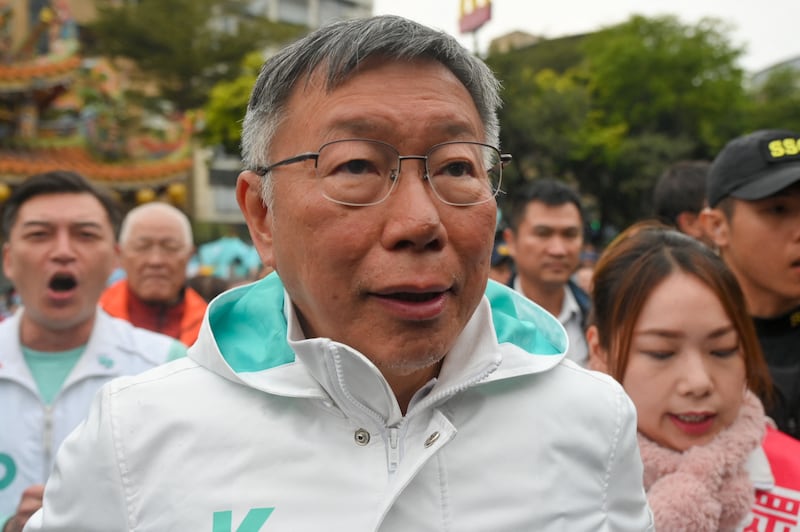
x,y
554,54
616,107
539,129
185,46
776,102
227,104
662,76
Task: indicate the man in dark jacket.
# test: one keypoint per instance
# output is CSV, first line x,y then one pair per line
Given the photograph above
x,y
754,221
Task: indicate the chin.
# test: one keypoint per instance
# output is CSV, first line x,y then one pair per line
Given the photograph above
x,y
155,297
404,365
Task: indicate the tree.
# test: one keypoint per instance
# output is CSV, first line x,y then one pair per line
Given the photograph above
x,y
184,46
227,104
776,102
637,97
675,89
659,75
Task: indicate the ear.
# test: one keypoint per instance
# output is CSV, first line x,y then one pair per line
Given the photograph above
x,y
689,223
117,255
715,225
256,214
8,270
508,238
598,358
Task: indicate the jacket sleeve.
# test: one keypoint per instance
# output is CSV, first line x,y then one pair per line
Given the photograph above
x,y
85,490
626,501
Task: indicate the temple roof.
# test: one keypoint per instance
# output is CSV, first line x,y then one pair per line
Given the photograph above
x,y
60,111
18,164
23,76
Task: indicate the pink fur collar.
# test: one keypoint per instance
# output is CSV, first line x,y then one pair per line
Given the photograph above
x,y
705,488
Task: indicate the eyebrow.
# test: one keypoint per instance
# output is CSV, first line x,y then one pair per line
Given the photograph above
x,y
666,333
145,238
148,241
559,228
45,223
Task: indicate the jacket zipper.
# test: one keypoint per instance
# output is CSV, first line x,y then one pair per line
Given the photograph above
x,y
425,403
47,439
394,450
393,458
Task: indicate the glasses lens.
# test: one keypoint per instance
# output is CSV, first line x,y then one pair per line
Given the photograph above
x,y
464,173
356,172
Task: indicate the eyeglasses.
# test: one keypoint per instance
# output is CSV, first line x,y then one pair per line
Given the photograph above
x,y
363,172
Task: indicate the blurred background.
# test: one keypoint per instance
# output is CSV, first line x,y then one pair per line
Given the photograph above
x,y
146,97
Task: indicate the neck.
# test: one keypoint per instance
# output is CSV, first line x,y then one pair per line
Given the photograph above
x,y
35,336
550,296
167,303
762,302
405,386
767,305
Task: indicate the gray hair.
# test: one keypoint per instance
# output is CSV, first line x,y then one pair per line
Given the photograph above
x,y
342,47
140,212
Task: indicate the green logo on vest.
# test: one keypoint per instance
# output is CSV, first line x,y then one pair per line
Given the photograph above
x,y
253,521
7,477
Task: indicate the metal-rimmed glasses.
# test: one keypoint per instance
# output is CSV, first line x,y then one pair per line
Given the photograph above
x,y
362,172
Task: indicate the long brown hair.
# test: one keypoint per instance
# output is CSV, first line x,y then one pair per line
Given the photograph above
x,y
637,261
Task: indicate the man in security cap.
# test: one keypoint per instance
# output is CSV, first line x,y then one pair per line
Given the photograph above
x,y
753,219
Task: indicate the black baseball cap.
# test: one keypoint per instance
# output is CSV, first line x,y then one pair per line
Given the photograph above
x,y
755,166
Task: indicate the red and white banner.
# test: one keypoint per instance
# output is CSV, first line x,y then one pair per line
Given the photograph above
x,y
778,510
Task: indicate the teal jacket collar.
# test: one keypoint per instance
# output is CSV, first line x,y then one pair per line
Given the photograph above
x,y
249,324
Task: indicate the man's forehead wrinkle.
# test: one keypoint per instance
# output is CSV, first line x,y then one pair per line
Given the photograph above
x,y
47,222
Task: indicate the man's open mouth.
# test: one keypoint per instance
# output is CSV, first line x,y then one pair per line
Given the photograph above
x,y
62,282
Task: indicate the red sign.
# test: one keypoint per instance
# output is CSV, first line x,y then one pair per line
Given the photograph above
x,y
474,14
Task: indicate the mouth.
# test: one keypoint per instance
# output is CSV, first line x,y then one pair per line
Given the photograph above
x,y
693,418
694,424
62,282
412,297
414,305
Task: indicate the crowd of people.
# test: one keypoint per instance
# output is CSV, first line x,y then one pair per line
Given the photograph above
x,y
415,360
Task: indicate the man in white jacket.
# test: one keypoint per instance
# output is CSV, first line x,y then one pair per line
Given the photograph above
x,y
58,349
375,381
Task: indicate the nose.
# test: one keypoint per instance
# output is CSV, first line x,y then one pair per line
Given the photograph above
x,y
155,254
63,250
412,211
557,246
696,378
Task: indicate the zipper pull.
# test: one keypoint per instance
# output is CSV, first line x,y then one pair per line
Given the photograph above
x,y
393,451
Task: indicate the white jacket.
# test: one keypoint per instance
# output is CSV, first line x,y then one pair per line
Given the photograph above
x,y
256,433
31,431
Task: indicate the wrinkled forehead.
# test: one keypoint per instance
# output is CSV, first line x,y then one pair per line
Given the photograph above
x,y
327,77
63,209
364,96
152,230
158,226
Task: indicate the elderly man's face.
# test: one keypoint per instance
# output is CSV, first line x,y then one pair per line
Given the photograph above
x,y
397,280
154,256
